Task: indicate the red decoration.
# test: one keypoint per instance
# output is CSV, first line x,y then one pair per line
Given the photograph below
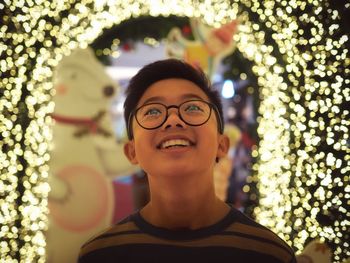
x,y
322,247
127,47
186,30
247,140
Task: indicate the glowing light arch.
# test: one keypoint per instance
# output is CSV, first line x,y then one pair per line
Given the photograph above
x,y
43,38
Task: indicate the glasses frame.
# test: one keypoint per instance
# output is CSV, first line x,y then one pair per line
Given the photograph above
x,y
211,106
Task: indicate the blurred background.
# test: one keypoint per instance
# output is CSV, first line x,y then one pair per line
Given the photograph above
x,y
281,67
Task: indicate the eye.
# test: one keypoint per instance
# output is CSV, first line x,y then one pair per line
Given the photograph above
x,y
152,112
193,108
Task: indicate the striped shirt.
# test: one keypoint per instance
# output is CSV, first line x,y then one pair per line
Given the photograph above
x,y
236,238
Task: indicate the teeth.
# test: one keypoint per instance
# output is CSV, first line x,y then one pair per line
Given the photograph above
x,y
177,142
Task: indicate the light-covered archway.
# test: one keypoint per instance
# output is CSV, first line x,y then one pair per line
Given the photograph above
x,y
37,34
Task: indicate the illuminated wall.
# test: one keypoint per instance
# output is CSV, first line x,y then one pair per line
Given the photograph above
x,y
303,155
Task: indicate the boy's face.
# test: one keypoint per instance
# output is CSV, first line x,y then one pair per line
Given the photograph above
x,y
148,147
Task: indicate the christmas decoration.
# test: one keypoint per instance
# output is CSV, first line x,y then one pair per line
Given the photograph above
x,y
315,252
223,168
208,48
299,54
85,155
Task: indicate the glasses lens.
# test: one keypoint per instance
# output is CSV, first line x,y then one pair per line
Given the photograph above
x,y
195,112
151,115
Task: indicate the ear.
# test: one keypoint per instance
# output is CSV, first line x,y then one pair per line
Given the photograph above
x,y
129,151
224,145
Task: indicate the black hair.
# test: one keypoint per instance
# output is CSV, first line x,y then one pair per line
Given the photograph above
x,y
166,69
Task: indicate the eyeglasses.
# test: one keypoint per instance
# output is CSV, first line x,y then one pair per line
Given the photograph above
x,y
193,112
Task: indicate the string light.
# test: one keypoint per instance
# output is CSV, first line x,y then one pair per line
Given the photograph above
x,y
301,181
303,124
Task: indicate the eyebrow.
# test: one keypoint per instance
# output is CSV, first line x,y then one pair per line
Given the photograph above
x,y
161,98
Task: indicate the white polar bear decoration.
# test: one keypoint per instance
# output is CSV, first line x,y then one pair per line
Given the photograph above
x,y
85,156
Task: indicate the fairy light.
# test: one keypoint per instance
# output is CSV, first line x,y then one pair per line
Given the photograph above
x,y
303,124
302,108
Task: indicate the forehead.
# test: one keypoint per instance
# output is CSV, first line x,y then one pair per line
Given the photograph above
x,y
171,91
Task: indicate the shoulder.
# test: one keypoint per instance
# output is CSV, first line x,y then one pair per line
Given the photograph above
x,y
110,236
254,236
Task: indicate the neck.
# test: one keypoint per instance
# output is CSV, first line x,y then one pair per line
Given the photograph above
x,y
183,203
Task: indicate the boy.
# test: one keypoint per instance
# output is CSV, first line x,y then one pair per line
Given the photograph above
x,y
175,128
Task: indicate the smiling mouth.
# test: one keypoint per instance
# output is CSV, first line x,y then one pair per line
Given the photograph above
x,y
176,143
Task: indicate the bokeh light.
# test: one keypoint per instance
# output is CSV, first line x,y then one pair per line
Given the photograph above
x,y
303,160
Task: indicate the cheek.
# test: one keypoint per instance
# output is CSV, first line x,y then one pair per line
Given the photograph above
x,y
211,135
144,154
143,144
210,140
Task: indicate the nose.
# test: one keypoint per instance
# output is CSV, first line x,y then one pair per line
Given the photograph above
x,y
108,91
174,119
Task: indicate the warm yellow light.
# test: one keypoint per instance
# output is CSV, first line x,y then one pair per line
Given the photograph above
x,y
301,108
